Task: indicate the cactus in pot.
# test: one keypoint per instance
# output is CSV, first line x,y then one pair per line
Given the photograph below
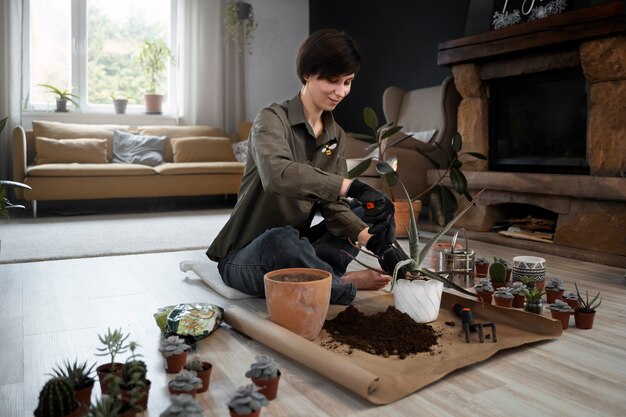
x,y
182,405
185,382
80,374
174,350
266,375
56,399
246,401
498,272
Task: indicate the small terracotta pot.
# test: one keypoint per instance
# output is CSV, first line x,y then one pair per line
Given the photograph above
x,y
518,301
252,414
143,401
486,296
503,302
268,387
176,392
83,396
572,303
174,363
563,316
552,296
497,285
205,376
104,371
584,320
482,270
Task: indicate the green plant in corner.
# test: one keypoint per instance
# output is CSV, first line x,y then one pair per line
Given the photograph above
x,y
153,57
587,306
239,24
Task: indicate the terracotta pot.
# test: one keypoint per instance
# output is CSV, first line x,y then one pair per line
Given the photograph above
x,y
205,376
268,387
402,215
76,413
174,363
83,396
252,414
552,296
104,371
584,320
418,298
153,103
143,401
518,301
496,284
563,316
176,392
503,302
298,299
485,296
482,270
572,303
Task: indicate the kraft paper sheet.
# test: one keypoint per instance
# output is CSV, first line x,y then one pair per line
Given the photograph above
x,y
385,380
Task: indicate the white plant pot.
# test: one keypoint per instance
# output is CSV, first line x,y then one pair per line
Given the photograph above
x,y
420,299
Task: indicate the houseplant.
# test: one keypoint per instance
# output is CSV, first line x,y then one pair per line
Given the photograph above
x,y
174,350
113,344
104,406
586,312
560,310
80,374
484,289
135,387
517,289
265,375
120,102
185,382
56,399
498,273
63,96
554,289
153,57
239,24
202,369
482,267
246,401
182,405
571,298
503,297
534,303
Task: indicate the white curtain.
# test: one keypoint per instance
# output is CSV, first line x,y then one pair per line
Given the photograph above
x,y
10,78
210,76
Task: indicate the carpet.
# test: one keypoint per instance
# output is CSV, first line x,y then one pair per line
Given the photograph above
x,y
40,239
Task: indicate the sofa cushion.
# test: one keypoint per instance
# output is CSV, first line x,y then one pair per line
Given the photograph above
x,y
89,170
58,151
138,149
178,132
58,130
240,149
189,168
202,149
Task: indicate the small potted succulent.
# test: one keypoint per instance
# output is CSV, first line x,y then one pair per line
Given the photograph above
x,y
56,399
182,405
80,374
503,297
113,344
534,302
265,375
586,312
246,402
482,267
202,369
104,406
498,273
185,382
571,298
560,310
134,386
484,289
554,289
174,350
517,289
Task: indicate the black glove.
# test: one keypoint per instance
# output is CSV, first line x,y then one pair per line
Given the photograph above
x,y
388,255
377,206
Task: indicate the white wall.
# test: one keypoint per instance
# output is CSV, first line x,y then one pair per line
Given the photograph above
x,y
271,68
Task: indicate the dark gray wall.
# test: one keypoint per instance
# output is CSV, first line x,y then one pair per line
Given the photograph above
x,y
398,40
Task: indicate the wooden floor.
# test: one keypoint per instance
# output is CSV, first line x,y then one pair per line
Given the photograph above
x,y
50,311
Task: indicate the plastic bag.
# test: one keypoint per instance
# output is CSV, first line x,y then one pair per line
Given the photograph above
x,y
191,321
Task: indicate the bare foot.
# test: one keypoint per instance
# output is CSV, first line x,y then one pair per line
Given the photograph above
x,y
366,279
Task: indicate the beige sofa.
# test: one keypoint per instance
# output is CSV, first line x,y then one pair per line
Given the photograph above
x,y
75,163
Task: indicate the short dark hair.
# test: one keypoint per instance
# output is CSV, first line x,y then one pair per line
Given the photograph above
x,y
327,53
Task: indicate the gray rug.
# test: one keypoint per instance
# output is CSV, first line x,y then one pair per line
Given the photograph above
x,y
30,240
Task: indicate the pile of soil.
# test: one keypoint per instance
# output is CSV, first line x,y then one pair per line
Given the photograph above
x,y
387,333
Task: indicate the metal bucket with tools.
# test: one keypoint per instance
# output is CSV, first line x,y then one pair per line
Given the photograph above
x,y
458,263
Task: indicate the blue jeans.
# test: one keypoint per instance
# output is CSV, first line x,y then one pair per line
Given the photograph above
x,y
282,247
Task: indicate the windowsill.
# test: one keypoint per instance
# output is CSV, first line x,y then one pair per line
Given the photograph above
x,y
131,119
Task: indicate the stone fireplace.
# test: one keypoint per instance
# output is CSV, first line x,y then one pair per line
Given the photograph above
x,y
590,210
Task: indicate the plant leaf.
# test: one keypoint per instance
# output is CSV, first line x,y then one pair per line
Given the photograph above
x,y
398,141
3,123
446,281
399,265
390,131
360,168
363,137
387,173
456,142
443,205
477,155
371,120
459,182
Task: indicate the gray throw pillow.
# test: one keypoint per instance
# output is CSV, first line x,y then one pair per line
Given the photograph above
x,y
138,149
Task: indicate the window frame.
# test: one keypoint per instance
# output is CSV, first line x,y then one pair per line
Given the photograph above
x,y
78,44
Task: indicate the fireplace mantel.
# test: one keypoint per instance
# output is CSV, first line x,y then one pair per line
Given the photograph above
x,y
594,39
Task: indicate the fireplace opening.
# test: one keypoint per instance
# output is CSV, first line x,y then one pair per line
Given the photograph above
x,y
538,123
525,221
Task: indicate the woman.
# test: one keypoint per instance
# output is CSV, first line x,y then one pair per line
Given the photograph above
x,y
296,168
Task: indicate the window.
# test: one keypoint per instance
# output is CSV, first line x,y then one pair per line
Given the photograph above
x,y
90,46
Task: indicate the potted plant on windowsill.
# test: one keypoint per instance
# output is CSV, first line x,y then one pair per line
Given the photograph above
x,y
153,58
62,97
585,314
120,102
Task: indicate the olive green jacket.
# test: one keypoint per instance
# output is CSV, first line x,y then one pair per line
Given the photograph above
x,y
287,171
